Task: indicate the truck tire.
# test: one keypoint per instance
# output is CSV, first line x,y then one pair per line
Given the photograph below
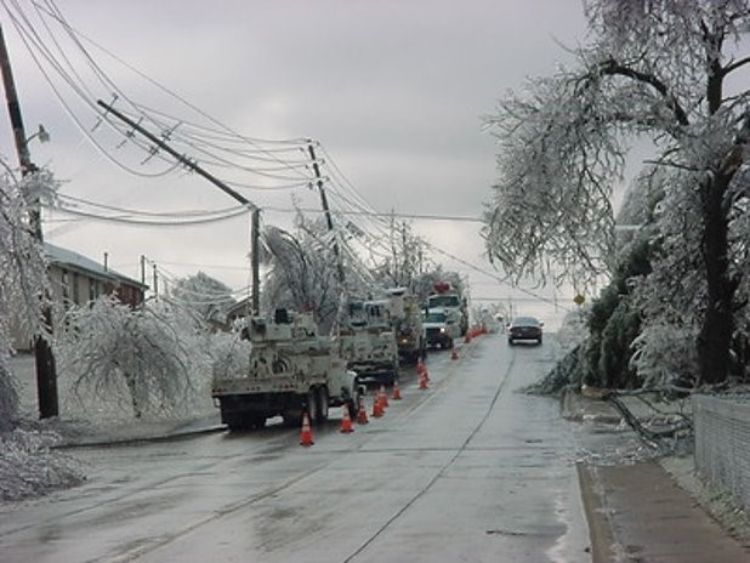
x,y
322,404
353,402
312,405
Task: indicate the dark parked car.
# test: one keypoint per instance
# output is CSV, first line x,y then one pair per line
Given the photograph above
x,y
525,328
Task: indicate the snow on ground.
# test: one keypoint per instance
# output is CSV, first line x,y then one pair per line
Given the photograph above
x,y
30,467
31,463
91,418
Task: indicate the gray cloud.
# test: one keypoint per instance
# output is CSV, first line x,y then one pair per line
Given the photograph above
x,y
393,89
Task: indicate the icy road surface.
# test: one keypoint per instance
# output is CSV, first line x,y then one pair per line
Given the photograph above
x,y
468,470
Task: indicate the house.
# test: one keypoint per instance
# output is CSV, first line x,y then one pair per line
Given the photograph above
x,y
76,279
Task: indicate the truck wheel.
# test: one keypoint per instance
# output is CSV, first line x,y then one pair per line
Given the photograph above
x,y
353,403
312,405
322,404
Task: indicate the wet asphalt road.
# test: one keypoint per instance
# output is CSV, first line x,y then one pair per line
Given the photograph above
x,y
468,470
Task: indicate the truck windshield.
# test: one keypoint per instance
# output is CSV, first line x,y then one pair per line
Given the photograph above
x,y
444,301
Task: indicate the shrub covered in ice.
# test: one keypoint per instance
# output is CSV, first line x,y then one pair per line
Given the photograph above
x,y
30,467
140,360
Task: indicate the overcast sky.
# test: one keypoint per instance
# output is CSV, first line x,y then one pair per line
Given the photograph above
x,y
394,91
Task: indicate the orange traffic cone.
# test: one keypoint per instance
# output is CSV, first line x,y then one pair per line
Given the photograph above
x,y
454,354
346,420
396,396
423,380
467,338
383,397
377,408
426,374
420,365
306,437
362,413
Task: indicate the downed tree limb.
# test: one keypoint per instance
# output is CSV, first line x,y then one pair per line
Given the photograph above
x,y
651,436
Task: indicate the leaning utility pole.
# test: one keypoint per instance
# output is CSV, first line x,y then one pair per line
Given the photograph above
x,y
46,373
327,211
254,250
216,182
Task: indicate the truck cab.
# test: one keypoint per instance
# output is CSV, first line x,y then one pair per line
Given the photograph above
x,y
441,328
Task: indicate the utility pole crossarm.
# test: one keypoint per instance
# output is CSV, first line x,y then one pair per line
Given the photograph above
x,y
179,157
182,159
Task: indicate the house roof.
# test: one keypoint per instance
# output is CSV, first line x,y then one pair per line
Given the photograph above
x,y
64,257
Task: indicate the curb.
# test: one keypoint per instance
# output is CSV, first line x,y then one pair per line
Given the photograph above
x,y
601,533
168,437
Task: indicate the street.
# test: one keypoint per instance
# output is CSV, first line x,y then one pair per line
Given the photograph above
x,y
467,470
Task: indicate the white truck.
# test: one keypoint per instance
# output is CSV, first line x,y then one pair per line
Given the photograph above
x,y
453,304
441,328
406,317
292,369
368,343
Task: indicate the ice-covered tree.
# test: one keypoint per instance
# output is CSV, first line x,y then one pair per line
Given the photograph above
x,y
23,274
207,296
141,359
303,271
407,259
656,69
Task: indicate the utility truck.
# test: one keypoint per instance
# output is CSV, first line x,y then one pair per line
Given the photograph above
x,y
292,369
367,341
452,303
406,317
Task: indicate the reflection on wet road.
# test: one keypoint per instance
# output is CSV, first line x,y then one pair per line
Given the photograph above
x,y
466,470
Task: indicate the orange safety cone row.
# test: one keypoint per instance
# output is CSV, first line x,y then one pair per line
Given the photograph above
x,y
362,413
383,397
306,437
377,408
396,396
346,421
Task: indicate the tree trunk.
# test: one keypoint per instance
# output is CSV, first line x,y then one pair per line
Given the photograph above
x,y
714,339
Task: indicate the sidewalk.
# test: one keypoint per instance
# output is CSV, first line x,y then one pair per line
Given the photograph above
x,y
638,512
